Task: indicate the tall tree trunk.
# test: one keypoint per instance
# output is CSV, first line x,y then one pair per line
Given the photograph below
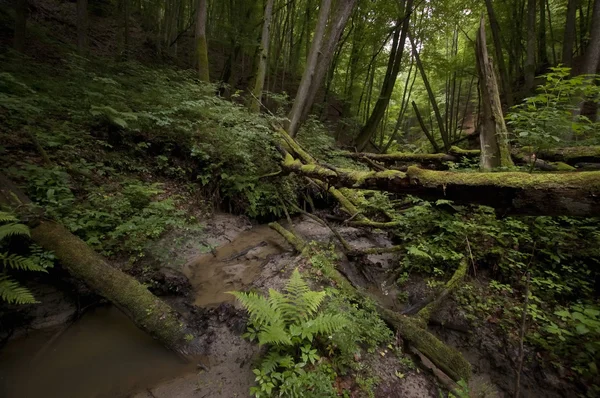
x,y
569,35
82,26
591,57
495,150
200,37
542,46
261,67
496,37
20,36
311,64
326,54
431,95
591,61
389,81
530,55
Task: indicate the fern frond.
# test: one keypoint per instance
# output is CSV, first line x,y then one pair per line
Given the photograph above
x,y
13,230
324,324
260,310
274,333
12,292
300,302
15,261
7,217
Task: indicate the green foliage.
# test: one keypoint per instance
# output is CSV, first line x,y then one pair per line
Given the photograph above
x,y
547,118
291,324
10,290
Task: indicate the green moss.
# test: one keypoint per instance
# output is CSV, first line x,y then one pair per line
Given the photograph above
x,y
146,310
454,150
561,166
586,180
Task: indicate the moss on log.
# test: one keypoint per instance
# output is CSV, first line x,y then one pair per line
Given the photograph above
x,y
569,155
443,356
576,194
146,310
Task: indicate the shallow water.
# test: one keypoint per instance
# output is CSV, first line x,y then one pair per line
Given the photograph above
x,y
213,275
101,355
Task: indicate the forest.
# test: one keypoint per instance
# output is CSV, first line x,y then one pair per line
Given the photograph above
x,y
299,198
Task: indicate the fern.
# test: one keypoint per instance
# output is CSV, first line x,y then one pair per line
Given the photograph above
x,y
12,292
9,230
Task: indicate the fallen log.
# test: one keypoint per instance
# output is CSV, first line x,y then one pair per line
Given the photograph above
x,y
147,311
448,359
574,194
568,155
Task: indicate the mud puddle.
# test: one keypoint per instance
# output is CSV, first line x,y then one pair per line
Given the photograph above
x,y
101,355
232,266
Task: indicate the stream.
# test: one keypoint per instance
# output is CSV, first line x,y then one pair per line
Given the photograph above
x,y
103,354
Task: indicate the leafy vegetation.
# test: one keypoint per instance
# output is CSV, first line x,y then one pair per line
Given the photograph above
x,y
12,291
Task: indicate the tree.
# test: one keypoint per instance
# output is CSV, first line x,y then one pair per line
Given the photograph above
x,y
201,45
504,78
495,151
261,64
393,68
530,54
301,99
569,35
82,26
320,56
21,24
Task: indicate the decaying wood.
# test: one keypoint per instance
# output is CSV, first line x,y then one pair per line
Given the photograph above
x,y
448,359
147,311
575,194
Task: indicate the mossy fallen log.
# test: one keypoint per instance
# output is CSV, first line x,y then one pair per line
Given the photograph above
x,y
568,155
147,311
574,194
443,356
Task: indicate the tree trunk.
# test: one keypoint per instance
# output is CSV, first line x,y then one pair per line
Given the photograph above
x,y
261,67
495,150
389,81
429,136
300,101
591,62
542,46
572,194
201,45
327,52
504,78
82,26
431,95
147,311
569,35
21,24
530,56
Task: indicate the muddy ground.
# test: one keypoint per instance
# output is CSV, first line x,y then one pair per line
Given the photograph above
x,y
195,270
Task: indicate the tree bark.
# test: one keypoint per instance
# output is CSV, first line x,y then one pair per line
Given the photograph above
x,y
325,57
572,194
82,26
542,46
429,136
495,150
591,61
261,68
300,101
391,74
201,45
530,54
21,12
432,100
496,37
569,35
147,311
